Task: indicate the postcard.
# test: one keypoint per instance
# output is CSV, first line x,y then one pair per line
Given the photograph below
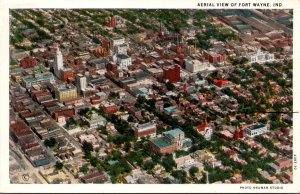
x,y
161,96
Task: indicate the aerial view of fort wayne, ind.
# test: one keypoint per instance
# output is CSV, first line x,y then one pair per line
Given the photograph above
x,y
150,96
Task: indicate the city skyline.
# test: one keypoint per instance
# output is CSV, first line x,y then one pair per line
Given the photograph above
x,y
151,96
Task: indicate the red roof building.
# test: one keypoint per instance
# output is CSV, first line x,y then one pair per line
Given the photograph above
x,y
213,57
220,83
28,62
201,127
65,112
67,74
110,109
112,22
238,134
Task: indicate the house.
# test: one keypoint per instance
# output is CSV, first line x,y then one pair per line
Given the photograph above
x,y
283,163
90,138
184,161
205,130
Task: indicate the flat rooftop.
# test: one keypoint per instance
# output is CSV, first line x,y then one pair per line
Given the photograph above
x,y
162,142
173,134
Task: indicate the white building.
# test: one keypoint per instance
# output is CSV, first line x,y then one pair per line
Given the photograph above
x,y
256,129
117,41
260,57
95,121
205,130
123,61
184,161
121,49
195,66
81,83
58,63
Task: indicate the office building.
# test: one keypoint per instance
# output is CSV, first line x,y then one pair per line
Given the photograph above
x,y
81,83
195,66
172,74
58,63
64,93
123,61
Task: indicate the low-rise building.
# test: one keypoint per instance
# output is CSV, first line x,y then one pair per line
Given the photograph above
x,y
162,145
95,177
205,130
256,129
145,130
37,78
260,57
94,120
195,66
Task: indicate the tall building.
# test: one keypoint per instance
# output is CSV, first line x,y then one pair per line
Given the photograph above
x,y
172,73
117,41
64,93
123,61
81,83
58,63
112,22
66,74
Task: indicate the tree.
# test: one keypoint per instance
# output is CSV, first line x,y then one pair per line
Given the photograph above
x,y
127,146
168,163
193,170
58,165
86,146
84,169
94,161
180,175
130,118
50,142
170,86
116,154
149,165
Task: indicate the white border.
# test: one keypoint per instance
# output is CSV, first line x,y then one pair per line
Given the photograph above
x,y
82,188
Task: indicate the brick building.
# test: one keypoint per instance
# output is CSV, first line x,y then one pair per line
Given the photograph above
x,y
144,130
220,83
28,62
163,146
214,57
172,73
64,112
67,74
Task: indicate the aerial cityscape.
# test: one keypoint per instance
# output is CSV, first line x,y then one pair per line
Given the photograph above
x,y
151,96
